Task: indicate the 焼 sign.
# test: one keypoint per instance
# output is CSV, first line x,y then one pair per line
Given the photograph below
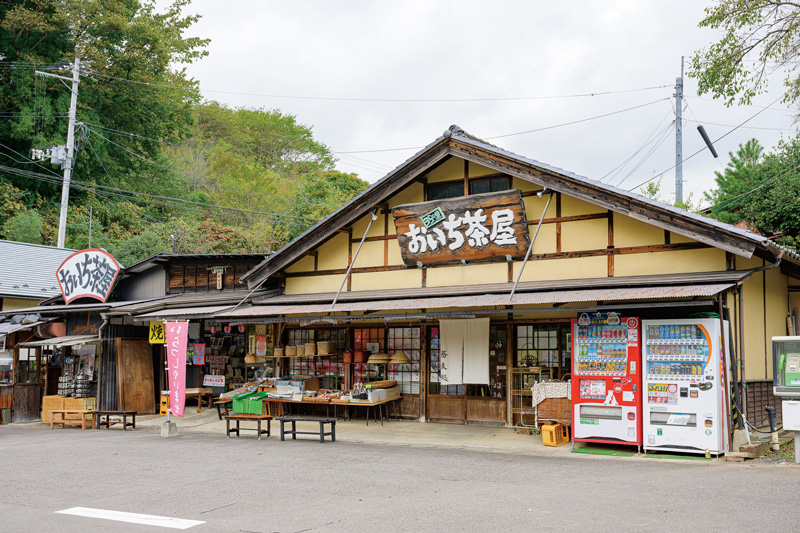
x,y
88,274
480,226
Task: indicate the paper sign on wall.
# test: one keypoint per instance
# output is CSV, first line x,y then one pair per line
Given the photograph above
x,y
213,381
157,333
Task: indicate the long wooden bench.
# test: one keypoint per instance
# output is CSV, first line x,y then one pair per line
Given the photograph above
x,y
59,418
321,419
247,417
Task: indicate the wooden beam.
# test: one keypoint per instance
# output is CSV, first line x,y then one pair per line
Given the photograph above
x,y
466,178
560,219
610,245
374,239
538,257
558,224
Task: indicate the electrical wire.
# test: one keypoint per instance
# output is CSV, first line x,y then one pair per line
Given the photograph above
x,y
704,148
647,141
731,201
416,100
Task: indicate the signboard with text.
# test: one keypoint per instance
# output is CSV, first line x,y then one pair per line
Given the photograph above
x,y
213,381
88,273
177,338
479,226
157,334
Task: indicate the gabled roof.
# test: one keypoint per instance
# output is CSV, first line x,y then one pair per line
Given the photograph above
x,y
29,270
456,142
166,257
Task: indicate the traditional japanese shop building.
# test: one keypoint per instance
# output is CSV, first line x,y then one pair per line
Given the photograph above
x,y
429,255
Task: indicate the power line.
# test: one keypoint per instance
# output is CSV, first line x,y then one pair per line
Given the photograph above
x,y
704,148
414,100
577,121
644,144
731,201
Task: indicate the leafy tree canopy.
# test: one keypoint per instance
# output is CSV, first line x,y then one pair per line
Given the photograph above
x,y
758,37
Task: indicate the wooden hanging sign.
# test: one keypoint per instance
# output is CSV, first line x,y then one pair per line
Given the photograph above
x,y
479,226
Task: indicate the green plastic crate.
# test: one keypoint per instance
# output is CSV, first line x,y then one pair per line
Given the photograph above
x,y
249,403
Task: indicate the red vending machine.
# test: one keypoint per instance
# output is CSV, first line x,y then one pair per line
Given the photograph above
x,y
606,379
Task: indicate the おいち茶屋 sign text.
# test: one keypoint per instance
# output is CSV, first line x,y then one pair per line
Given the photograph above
x,y
87,274
479,226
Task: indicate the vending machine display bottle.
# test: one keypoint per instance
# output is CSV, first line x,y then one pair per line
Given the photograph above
x,y
686,395
606,379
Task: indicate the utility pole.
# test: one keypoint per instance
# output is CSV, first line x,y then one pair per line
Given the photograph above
x,y
679,137
73,104
64,155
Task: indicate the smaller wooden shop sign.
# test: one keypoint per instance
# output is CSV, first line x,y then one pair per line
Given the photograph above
x,y
480,226
158,334
88,273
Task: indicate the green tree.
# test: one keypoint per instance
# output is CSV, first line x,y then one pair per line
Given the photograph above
x,y
653,191
758,36
138,247
25,227
132,80
742,174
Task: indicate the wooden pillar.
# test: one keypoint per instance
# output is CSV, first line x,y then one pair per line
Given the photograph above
x,y
509,365
424,372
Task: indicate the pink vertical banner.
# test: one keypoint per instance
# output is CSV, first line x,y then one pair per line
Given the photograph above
x,y
177,337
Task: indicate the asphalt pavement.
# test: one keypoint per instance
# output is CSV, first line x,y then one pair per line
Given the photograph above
x,y
248,485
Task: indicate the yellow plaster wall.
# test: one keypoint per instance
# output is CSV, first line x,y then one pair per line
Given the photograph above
x,y
333,254
535,205
304,264
676,262
584,235
312,284
394,253
371,254
9,304
631,232
412,194
572,207
524,185
777,306
452,169
675,238
754,337
396,279
467,275
551,269
360,226
476,170
546,240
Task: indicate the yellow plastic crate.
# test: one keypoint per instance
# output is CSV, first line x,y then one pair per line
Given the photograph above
x,y
555,434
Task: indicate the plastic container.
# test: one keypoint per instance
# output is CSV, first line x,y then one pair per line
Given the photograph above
x,y
555,434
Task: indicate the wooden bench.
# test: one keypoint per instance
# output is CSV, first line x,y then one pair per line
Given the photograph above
x,y
243,416
99,422
59,418
321,419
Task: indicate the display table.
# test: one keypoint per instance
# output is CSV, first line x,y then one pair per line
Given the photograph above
x,y
201,394
320,419
99,422
223,403
279,405
59,418
552,401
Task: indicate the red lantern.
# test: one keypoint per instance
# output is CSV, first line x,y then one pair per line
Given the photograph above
x,y
227,329
213,330
241,328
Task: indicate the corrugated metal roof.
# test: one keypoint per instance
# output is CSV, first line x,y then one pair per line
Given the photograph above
x,y
8,328
29,270
704,278
488,300
61,309
185,312
69,340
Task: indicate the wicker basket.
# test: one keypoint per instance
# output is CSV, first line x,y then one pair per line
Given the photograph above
x,y
347,357
278,352
383,384
301,350
341,401
326,347
361,356
311,348
291,351
250,359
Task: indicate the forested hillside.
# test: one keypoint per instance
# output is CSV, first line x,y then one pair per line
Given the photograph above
x,y
156,166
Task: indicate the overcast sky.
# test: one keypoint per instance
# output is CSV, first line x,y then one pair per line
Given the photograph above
x,y
320,51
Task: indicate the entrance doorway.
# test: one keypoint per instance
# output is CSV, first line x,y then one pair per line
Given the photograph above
x,y
469,404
